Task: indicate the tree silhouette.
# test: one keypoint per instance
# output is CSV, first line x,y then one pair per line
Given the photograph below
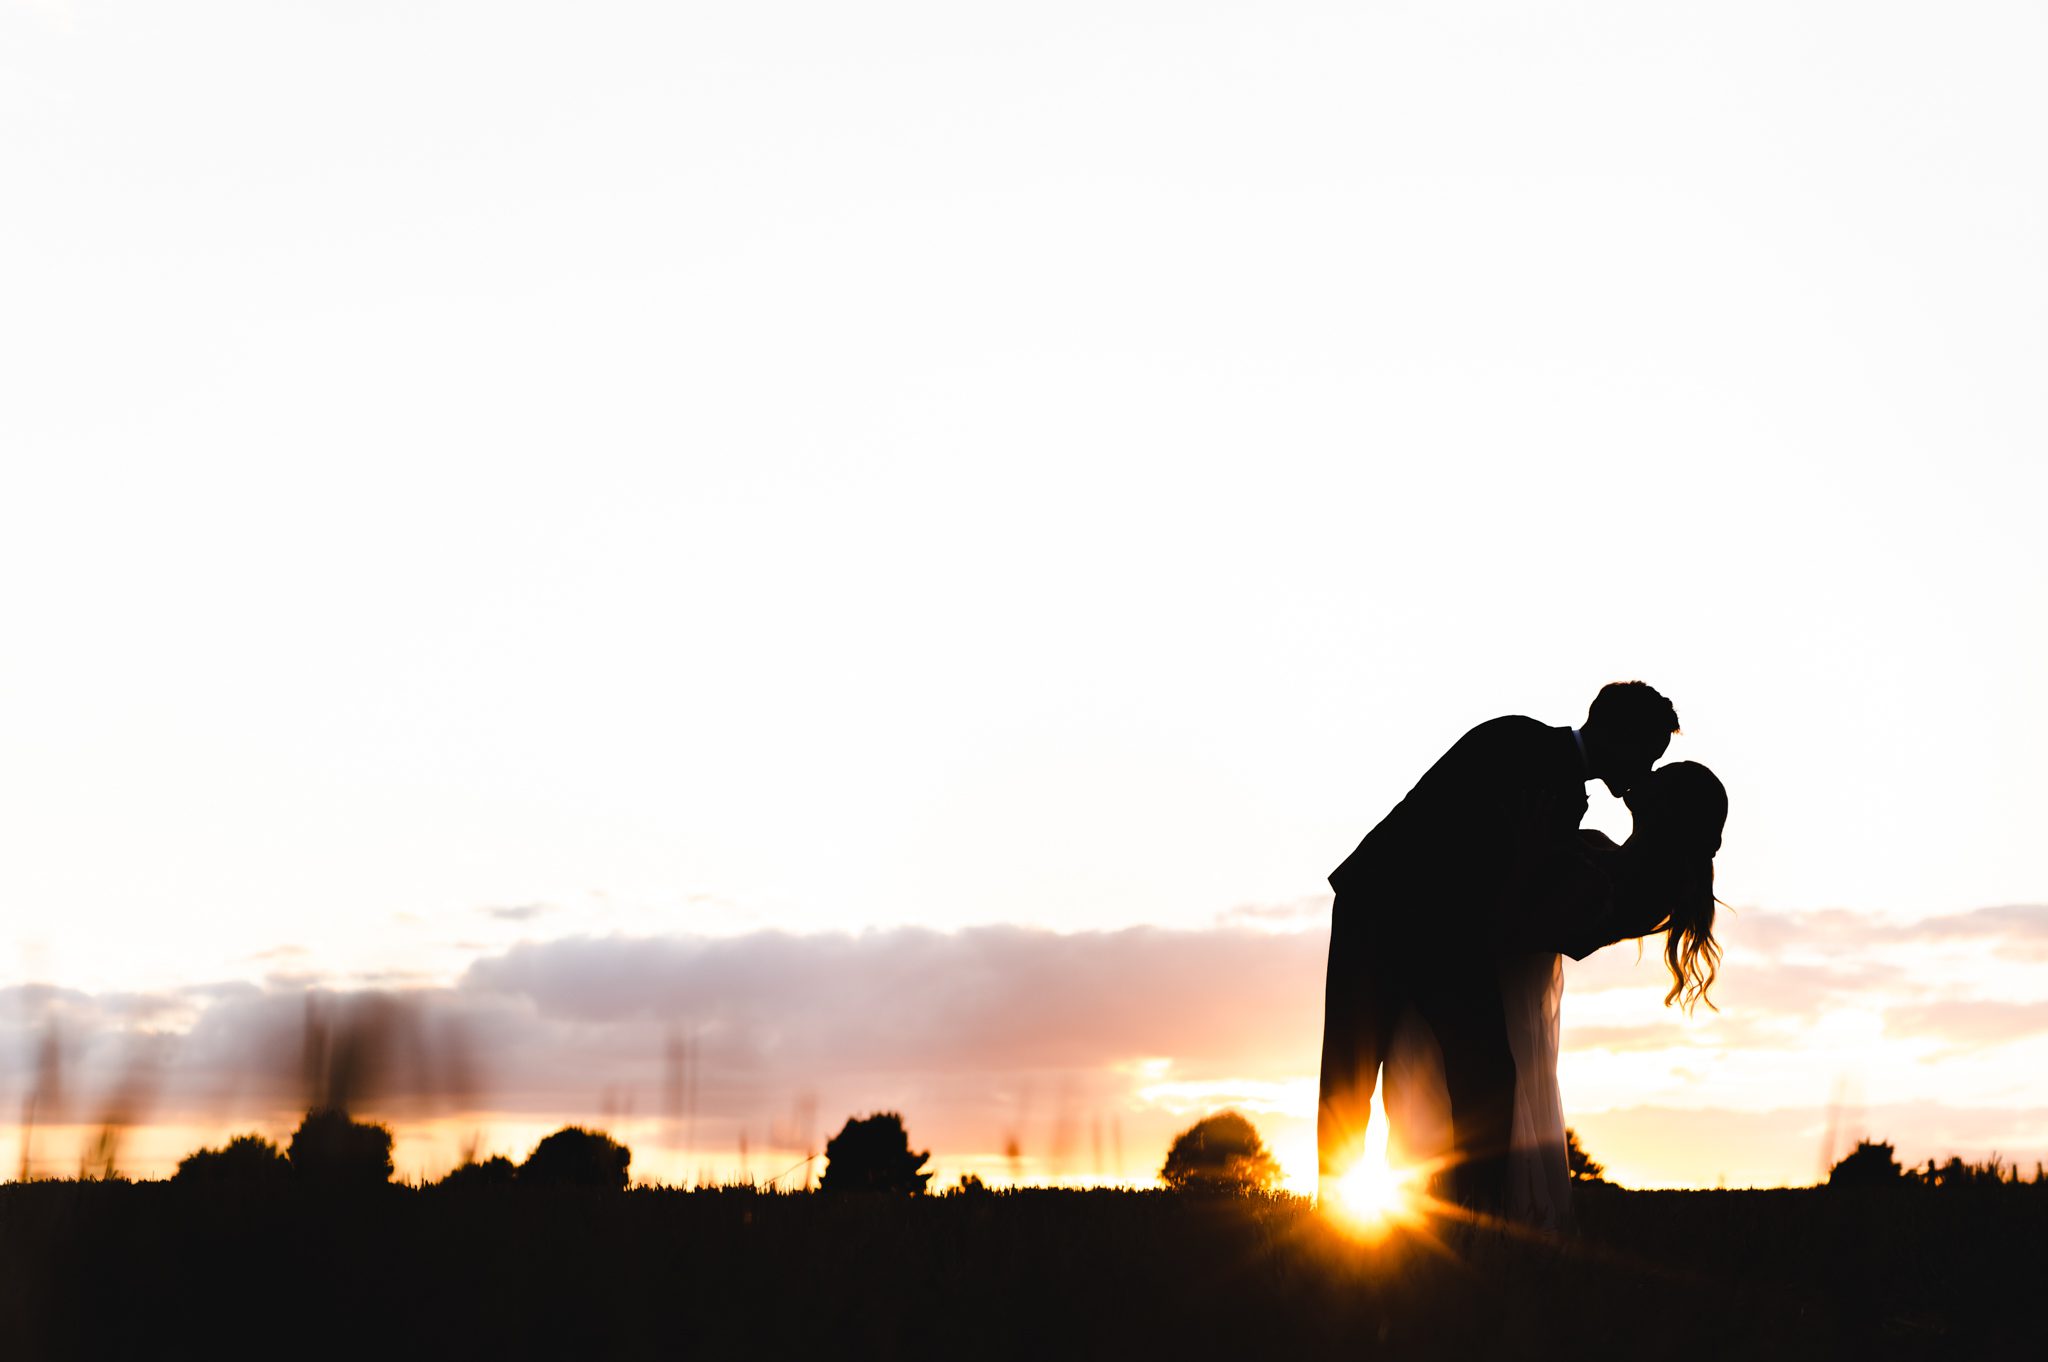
x,y
496,1171
873,1154
1872,1163
1220,1153
245,1161
331,1150
575,1157
1579,1162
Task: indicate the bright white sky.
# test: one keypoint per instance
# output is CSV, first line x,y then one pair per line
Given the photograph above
x,y
712,467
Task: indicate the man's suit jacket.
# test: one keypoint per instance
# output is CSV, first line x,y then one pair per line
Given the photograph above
x,y
1440,862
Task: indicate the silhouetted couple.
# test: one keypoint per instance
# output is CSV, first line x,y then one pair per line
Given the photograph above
x,y
1449,923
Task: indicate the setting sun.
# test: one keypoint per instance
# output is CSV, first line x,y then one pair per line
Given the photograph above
x,y
1373,1195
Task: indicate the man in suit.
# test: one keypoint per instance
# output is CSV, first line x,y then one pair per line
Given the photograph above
x,y
1419,906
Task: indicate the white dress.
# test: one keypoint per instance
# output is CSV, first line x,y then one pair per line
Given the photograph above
x,y
1418,1105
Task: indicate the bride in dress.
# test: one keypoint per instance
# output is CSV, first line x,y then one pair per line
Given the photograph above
x,y
1660,880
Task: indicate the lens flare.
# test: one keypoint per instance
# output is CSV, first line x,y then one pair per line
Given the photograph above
x,y
1373,1193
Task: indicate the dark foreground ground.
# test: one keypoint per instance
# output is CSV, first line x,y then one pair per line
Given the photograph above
x,y
155,1271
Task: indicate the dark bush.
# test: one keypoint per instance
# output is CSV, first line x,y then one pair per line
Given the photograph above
x,y
331,1150
245,1161
1579,1163
575,1157
496,1171
873,1154
1872,1163
1220,1153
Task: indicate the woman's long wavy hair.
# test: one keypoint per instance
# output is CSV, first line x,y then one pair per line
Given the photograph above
x,y
1690,951
1684,819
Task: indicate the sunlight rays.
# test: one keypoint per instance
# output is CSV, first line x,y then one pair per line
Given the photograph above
x,y
1374,1195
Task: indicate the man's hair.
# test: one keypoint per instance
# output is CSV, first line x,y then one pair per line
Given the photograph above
x,y
1632,706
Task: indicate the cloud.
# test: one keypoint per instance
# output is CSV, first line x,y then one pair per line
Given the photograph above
x,y
978,1030
1755,978
1622,1038
987,999
1804,966
516,912
2018,929
1298,915
1969,1023
1781,989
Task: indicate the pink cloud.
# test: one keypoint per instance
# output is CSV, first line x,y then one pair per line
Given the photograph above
x,y
1968,1022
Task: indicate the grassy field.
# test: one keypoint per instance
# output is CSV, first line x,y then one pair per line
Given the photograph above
x,y
152,1270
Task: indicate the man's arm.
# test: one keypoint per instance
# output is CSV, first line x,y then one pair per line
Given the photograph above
x,y
1608,908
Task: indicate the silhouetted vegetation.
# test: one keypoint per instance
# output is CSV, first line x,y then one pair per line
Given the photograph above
x,y
1220,1153
1872,1163
496,1171
576,1157
873,1154
104,1269
1956,1173
1579,1163
331,1150
145,1270
245,1161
